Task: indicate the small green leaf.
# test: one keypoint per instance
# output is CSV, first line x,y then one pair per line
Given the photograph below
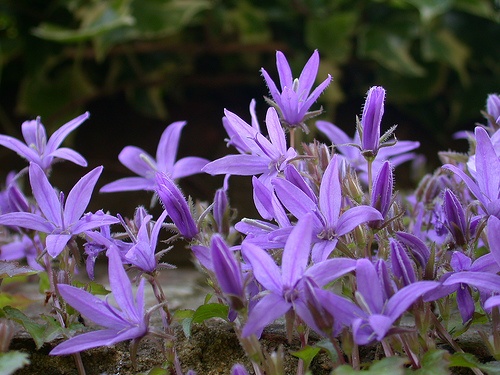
x,y
157,371
35,330
307,354
211,310
386,366
434,362
468,360
12,361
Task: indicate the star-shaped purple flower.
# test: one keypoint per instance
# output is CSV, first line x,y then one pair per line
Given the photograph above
x,y
128,321
143,164
41,151
295,98
60,219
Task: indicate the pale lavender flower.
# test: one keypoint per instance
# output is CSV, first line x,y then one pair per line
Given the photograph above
x,y
381,198
267,157
295,98
375,318
238,369
371,120
228,272
60,219
486,184
142,253
402,266
23,247
176,206
37,149
328,222
480,274
143,164
493,109
285,285
128,321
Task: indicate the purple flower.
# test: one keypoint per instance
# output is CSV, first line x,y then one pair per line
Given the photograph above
x,y
328,222
377,314
228,273
382,190
60,219
493,109
176,206
23,247
350,148
486,184
370,121
480,274
128,321
402,266
295,97
40,151
143,164
267,157
285,285
142,253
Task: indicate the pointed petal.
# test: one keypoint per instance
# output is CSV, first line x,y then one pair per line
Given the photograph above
x,y
90,307
355,216
369,285
330,194
273,90
55,243
264,268
26,220
481,280
79,196
129,184
322,249
284,71
275,130
493,232
266,311
70,155
487,165
166,152
240,165
330,269
60,134
296,254
188,166
45,195
294,199
134,159
308,75
120,284
380,325
403,299
316,93
465,304
85,341
90,221
20,148
473,187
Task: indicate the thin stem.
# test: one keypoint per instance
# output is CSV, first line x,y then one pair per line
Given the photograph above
x,y
79,364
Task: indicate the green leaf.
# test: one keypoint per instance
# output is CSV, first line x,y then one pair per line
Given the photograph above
x,y
468,360
211,310
98,18
444,47
332,35
12,361
390,43
386,366
429,9
434,362
35,330
15,300
307,354
155,18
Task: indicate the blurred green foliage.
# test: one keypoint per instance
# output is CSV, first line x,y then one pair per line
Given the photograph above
x,y
438,59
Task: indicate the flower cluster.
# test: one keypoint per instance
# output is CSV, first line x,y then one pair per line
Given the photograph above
x,y
335,250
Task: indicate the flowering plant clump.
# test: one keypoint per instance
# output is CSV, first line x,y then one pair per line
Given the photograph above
x,y
335,251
